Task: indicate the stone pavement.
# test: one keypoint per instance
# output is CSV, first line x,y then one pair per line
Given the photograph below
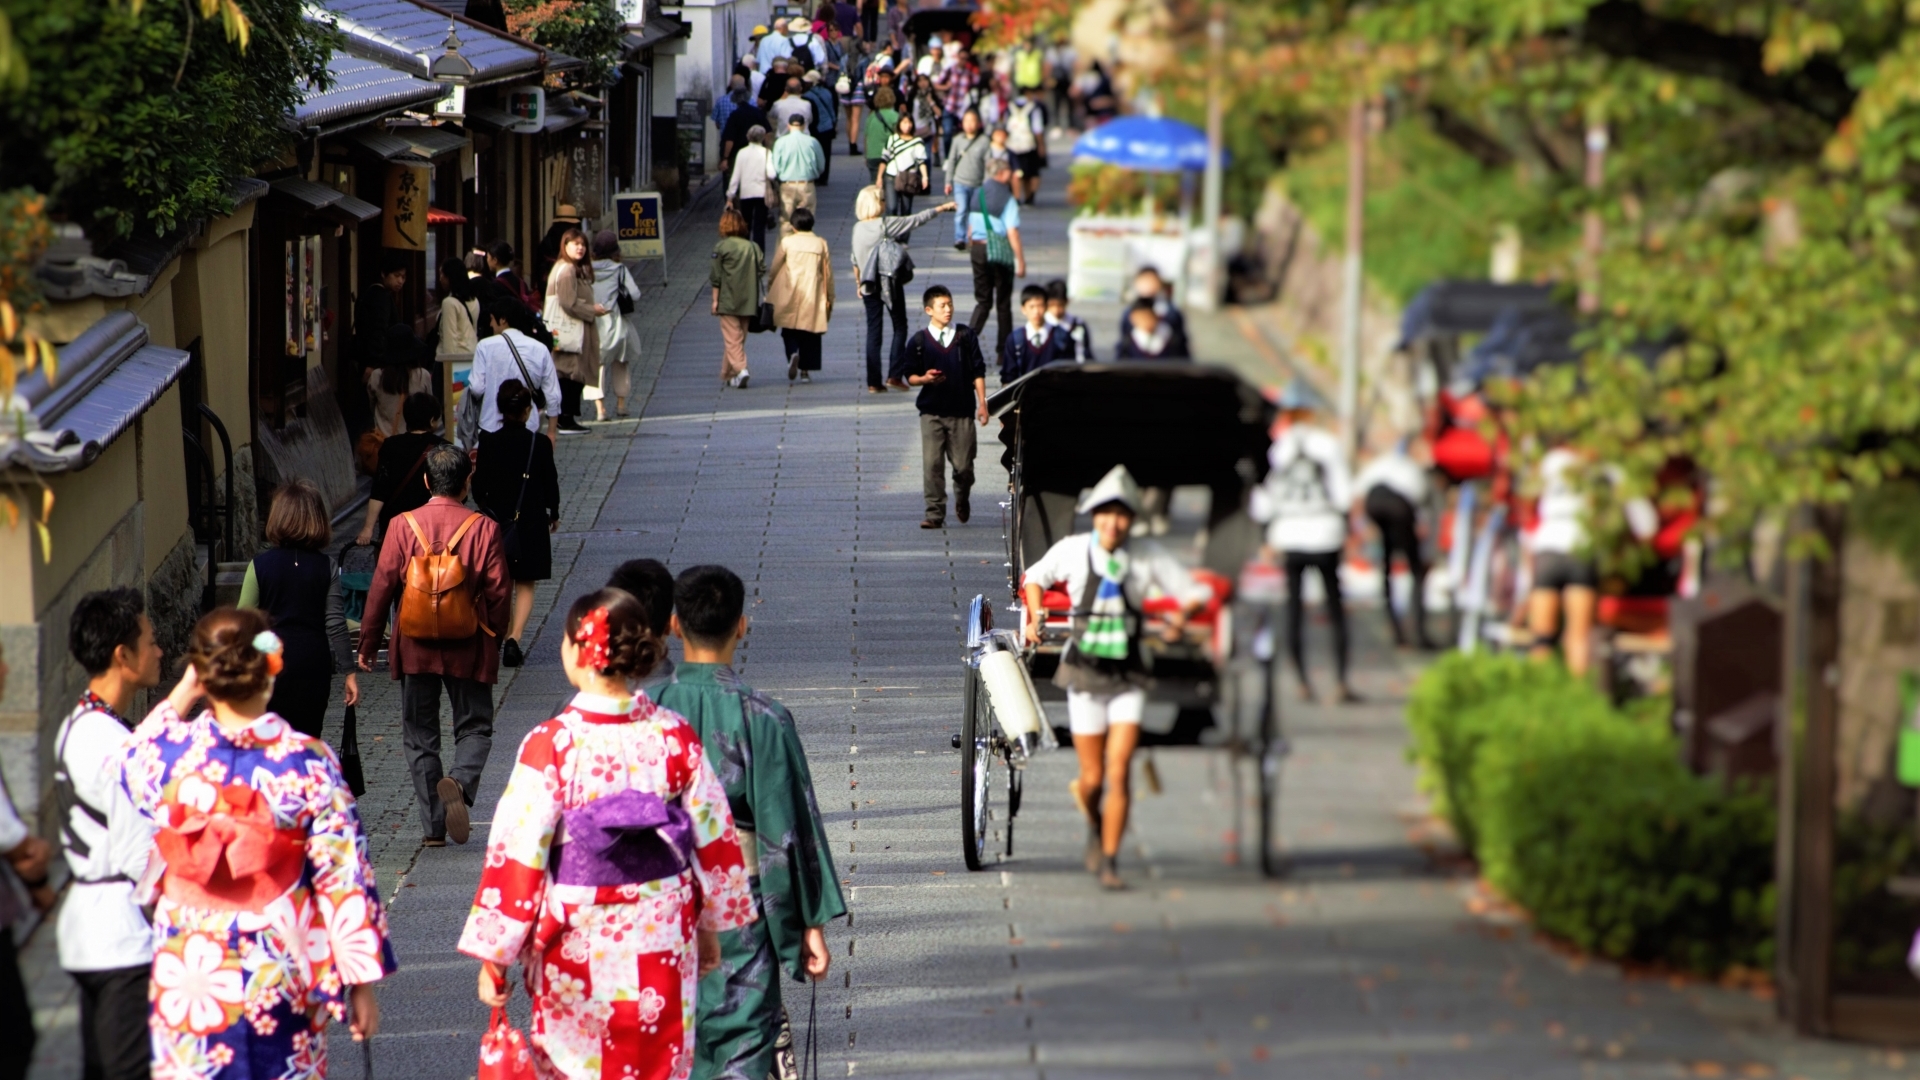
x,y
1366,962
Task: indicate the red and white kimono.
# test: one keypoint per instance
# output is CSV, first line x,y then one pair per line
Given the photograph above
x,y
611,969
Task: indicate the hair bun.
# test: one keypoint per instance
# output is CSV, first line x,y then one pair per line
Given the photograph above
x,y
223,654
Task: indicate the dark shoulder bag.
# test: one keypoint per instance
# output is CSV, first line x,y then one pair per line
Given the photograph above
x,y
350,767
539,395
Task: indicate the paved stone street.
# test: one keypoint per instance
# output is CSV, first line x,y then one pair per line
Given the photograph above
x,y
1366,962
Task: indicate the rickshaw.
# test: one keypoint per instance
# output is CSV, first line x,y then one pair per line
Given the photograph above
x,y
1195,437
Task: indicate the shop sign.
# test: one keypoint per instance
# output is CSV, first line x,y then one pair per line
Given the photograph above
x,y
528,106
639,222
404,222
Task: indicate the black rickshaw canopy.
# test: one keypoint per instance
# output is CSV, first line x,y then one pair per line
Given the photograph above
x,y
1171,424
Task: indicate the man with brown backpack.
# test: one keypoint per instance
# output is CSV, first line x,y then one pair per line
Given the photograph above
x,y
443,570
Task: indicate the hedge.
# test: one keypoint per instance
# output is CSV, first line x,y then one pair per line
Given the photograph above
x,y
1585,817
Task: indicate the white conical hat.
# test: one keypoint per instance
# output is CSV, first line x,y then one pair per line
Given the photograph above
x,y
1117,486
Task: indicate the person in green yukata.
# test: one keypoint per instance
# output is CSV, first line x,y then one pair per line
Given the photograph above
x,y
754,748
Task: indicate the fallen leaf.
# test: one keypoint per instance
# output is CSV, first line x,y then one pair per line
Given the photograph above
x,y
1706,1068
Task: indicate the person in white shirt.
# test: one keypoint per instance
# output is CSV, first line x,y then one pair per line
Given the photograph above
x,y
1393,489
509,352
1304,503
105,941
747,190
1108,575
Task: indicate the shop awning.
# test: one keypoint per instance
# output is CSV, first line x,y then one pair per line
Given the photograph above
x,y
431,141
437,216
320,199
652,32
410,35
488,118
109,376
364,90
391,147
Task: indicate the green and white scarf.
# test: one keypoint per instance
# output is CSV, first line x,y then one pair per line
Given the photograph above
x,y
1106,635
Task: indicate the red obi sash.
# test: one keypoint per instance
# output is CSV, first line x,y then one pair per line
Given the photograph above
x,y
233,858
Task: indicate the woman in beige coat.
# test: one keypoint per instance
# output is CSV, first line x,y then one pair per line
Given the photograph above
x,y
570,297
801,291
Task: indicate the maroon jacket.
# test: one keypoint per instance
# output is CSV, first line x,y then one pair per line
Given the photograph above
x,y
477,657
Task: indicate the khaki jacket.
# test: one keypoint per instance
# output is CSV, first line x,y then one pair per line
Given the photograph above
x,y
801,284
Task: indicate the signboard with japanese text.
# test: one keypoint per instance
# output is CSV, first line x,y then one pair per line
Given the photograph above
x,y
587,178
638,219
404,220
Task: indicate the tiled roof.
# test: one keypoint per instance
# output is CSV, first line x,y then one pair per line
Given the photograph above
x,y
365,89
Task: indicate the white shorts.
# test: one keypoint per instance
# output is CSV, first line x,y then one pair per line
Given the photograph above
x,y
1090,714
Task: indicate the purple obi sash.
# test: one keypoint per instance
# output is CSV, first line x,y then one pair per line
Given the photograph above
x,y
626,839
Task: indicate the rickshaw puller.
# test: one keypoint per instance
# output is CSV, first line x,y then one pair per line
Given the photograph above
x,y
1103,669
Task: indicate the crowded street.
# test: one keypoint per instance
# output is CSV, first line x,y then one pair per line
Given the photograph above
x,y
1375,956
611,540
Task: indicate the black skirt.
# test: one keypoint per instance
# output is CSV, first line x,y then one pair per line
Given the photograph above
x,y
529,547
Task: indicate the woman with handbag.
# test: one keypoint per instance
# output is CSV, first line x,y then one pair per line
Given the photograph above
x,y
883,118
800,288
570,314
515,484
615,290
881,283
738,264
298,585
905,164
747,188
612,867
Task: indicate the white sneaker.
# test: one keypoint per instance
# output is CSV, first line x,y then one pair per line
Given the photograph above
x,y
740,381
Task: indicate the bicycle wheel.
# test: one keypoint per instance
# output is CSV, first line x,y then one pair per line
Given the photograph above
x,y
976,769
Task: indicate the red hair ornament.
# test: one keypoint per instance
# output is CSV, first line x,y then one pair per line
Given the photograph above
x,y
594,640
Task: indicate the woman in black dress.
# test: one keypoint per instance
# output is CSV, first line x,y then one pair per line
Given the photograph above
x,y
298,585
515,484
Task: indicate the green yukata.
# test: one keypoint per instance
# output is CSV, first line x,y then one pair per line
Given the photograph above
x,y
755,750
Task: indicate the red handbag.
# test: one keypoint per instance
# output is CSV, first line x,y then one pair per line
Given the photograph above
x,y
504,1054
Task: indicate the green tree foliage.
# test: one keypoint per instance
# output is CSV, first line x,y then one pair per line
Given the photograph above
x,y
133,119
587,29
1759,207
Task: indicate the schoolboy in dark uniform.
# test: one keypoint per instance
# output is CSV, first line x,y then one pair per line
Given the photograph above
x,y
945,362
1038,343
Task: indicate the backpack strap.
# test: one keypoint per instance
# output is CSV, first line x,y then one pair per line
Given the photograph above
x,y
418,534
458,535
462,530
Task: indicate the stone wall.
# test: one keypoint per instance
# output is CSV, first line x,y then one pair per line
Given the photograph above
x,y
44,672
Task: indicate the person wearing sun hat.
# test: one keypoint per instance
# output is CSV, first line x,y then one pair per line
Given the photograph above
x,y
1107,574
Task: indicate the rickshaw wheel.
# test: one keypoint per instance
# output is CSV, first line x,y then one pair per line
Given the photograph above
x,y
976,767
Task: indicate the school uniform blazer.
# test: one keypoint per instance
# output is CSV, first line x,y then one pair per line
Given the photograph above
x,y
1021,355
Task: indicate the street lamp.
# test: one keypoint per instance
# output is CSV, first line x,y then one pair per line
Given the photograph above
x,y
451,67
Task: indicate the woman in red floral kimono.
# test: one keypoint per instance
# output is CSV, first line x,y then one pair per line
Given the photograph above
x,y
267,921
612,845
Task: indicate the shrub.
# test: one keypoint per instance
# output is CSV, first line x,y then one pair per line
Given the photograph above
x,y
1584,816
1449,728
1589,821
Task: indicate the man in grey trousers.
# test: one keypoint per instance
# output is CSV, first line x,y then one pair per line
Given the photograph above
x,y
946,363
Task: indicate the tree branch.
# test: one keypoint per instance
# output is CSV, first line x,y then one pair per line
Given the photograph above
x,y
1625,29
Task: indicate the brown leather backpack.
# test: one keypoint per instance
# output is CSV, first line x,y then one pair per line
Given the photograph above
x,y
436,599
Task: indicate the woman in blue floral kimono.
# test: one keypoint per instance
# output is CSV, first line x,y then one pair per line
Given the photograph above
x,y
266,913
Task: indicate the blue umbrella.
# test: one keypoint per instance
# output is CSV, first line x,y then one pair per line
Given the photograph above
x,y
1148,144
